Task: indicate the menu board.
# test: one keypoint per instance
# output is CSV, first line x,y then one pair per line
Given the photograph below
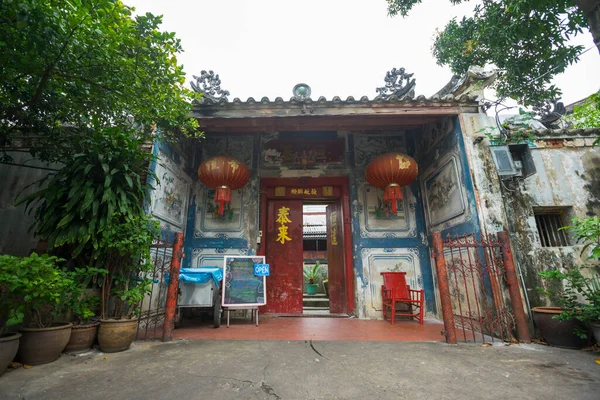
x,y
240,286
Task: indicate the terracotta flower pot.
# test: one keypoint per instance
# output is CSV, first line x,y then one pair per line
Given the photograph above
x,y
43,345
9,344
556,332
116,335
82,338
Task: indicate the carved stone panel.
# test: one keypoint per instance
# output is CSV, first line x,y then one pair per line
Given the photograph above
x,y
376,261
170,197
369,146
239,147
376,218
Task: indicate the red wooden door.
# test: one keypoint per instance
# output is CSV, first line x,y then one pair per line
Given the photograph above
x,y
285,256
335,260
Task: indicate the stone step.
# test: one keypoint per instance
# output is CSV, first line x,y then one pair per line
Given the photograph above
x,y
315,302
314,308
314,296
316,313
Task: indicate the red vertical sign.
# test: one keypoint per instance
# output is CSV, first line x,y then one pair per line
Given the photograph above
x,y
285,256
335,260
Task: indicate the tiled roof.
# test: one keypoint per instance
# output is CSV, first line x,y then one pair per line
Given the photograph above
x,y
565,133
418,101
314,226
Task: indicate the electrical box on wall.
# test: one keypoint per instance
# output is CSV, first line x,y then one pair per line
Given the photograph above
x,y
513,161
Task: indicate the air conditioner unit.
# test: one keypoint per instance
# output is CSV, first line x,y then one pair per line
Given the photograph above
x,y
513,160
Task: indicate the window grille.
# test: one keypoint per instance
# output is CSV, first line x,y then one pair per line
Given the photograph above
x,y
548,225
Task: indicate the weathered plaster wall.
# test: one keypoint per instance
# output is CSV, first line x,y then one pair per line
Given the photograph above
x,y
568,175
383,241
209,237
446,184
16,182
170,197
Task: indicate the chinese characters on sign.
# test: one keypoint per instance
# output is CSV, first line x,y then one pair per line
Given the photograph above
x,y
324,191
334,228
308,192
283,219
280,191
327,191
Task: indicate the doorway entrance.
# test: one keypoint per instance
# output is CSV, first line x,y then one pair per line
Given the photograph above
x,y
292,209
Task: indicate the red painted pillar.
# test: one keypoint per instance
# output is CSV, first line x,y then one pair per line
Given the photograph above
x,y
444,287
172,290
512,281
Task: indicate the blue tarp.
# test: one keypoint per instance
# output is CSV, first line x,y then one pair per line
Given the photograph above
x,y
200,275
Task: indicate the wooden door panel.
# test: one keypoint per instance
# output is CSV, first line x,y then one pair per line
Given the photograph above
x,y
335,260
285,256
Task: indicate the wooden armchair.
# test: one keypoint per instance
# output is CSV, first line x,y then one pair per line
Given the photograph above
x,y
395,290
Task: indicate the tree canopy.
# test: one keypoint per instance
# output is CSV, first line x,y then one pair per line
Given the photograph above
x,y
74,66
527,40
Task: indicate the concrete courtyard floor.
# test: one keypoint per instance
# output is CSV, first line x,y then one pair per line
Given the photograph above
x,y
217,369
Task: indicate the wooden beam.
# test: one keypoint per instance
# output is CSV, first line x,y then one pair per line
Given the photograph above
x,y
251,111
314,123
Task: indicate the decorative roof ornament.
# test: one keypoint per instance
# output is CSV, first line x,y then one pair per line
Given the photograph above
x,y
302,95
549,112
471,83
398,84
209,85
301,92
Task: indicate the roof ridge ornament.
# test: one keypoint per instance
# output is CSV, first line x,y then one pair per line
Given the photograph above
x,y
209,85
397,83
549,112
302,95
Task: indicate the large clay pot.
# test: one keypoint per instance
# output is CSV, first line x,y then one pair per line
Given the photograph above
x,y
43,345
82,338
556,332
9,344
116,335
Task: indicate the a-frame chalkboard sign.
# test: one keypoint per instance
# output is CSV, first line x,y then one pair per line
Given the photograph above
x,y
241,288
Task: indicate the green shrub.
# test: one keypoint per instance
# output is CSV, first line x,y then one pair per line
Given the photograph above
x,y
126,248
580,297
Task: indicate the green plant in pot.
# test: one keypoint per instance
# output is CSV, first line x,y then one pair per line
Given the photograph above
x,y
83,306
94,208
40,292
579,298
11,312
312,278
126,246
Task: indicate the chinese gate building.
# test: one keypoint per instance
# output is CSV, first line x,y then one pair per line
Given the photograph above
x,y
306,154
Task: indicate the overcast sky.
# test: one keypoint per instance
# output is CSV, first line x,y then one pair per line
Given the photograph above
x,y
338,47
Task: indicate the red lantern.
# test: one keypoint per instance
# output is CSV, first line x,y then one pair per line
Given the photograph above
x,y
224,174
390,172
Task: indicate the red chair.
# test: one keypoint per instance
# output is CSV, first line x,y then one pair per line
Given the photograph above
x,y
394,291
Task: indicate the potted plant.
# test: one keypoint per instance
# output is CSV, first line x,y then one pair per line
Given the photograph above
x,y
10,313
41,290
94,208
312,278
126,244
569,325
83,306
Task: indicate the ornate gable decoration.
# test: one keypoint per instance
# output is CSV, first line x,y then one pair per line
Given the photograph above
x,y
209,85
399,84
